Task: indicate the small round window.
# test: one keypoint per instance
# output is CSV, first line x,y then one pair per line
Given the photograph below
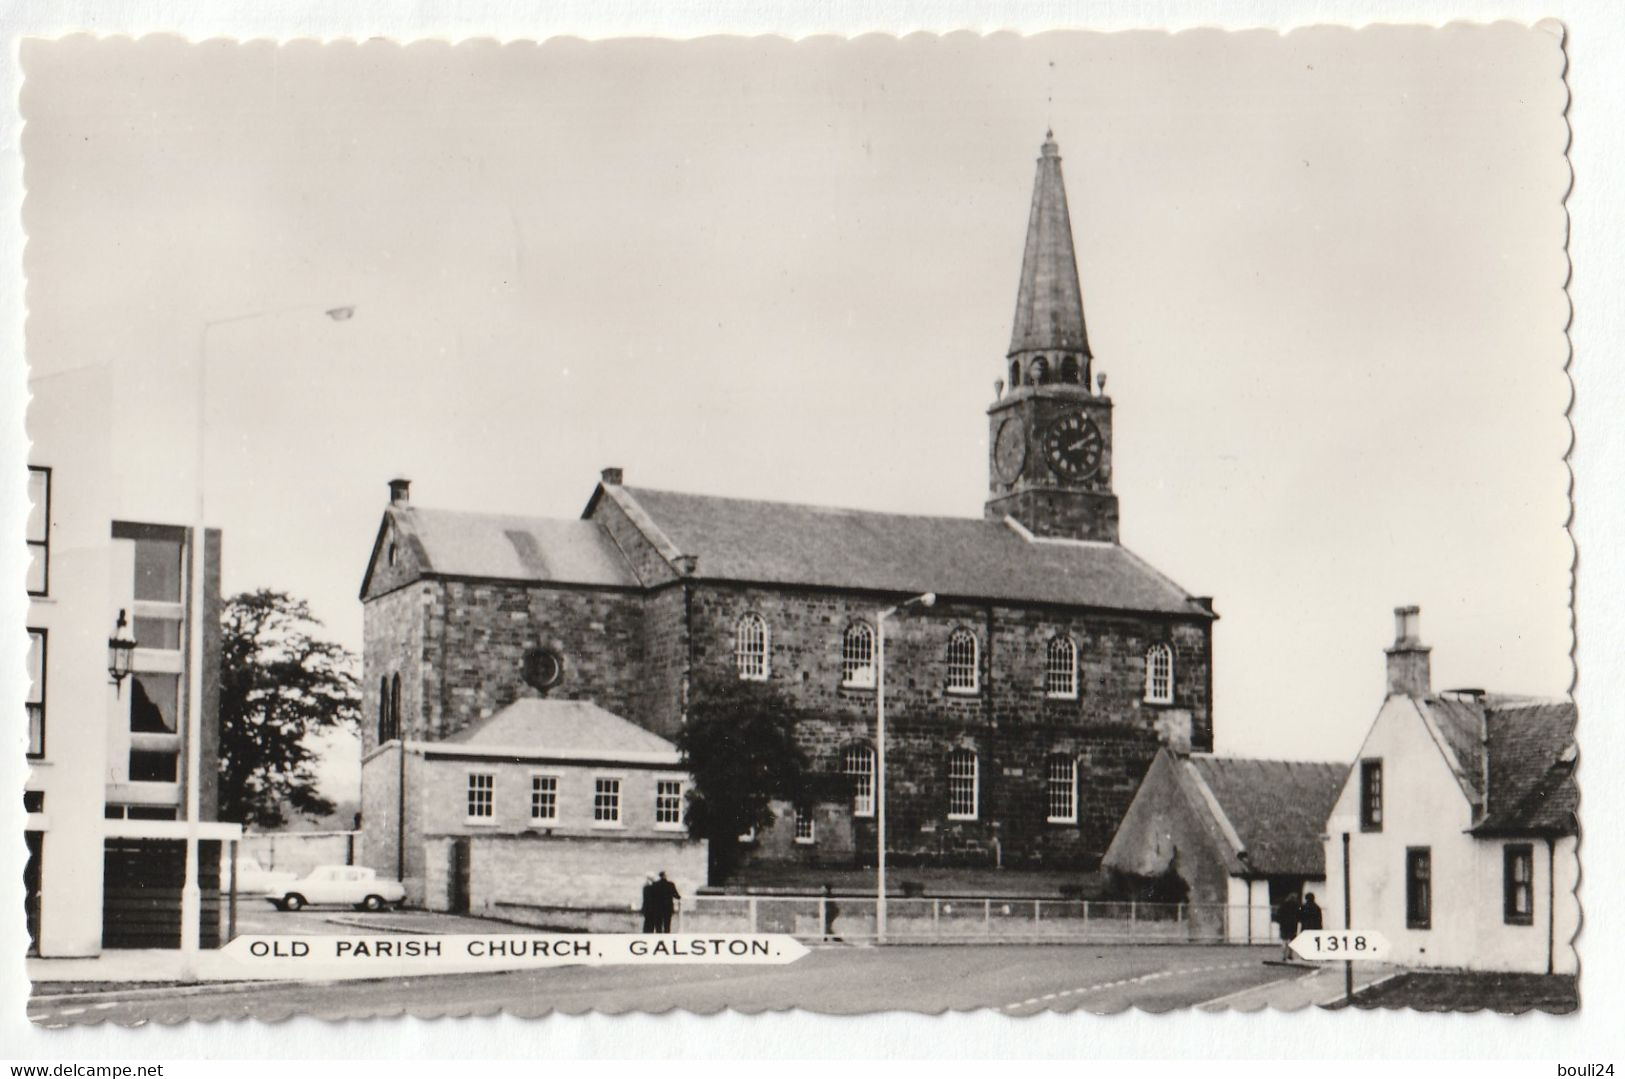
x,y
543,668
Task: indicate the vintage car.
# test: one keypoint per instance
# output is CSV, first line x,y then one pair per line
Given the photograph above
x,y
339,885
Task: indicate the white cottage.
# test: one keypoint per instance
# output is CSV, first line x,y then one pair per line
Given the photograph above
x,y
1456,828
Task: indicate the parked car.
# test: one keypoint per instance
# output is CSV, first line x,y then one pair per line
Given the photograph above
x,y
339,885
254,879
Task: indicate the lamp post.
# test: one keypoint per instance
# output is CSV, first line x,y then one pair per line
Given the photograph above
x,y
926,599
191,894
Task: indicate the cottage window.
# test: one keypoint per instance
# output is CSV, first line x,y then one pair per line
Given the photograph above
x,y
1159,675
1518,884
482,796
750,648
858,762
1061,668
606,802
1419,887
962,783
858,656
35,701
1371,796
962,669
1062,776
544,799
39,531
806,827
669,803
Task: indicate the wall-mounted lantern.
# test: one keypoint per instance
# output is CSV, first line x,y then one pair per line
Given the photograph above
x,y
120,650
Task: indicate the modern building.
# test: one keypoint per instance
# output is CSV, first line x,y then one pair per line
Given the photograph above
x,y
1457,825
1023,707
1232,836
106,796
545,807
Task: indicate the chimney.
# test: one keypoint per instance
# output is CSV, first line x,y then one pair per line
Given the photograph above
x,y
611,477
1409,669
400,492
687,564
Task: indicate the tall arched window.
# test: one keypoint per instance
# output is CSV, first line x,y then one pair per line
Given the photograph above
x,y
858,762
858,656
962,668
750,648
1015,373
1159,674
1061,668
1070,371
1061,790
962,783
383,709
1038,373
395,707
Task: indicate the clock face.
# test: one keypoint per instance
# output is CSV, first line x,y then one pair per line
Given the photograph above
x,y
1010,450
1073,446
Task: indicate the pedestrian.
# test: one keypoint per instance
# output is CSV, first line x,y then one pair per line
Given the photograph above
x,y
666,896
832,910
1309,915
649,905
1286,917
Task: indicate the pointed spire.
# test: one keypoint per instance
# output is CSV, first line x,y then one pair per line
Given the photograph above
x,y
1049,304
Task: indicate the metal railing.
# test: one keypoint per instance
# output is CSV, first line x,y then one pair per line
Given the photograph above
x,y
956,920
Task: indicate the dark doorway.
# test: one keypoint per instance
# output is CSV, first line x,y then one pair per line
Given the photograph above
x,y
459,876
31,887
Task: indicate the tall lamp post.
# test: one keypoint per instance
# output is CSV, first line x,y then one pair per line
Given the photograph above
x,y
926,599
191,894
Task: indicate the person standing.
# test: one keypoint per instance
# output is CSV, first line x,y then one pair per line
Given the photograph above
x,y
1286,917
666,896
649,904
832,910
1309,915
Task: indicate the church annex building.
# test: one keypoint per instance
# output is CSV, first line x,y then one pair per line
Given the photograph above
x,y
1023,707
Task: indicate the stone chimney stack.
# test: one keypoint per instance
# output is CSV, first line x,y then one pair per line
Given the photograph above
x,y
611,477
400,492
1410,671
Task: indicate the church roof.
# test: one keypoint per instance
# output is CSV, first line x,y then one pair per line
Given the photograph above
x,y
560,730
506,547
1272,812
1049,302
741,539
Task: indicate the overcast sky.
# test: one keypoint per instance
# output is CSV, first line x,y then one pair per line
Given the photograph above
x,y
1323,273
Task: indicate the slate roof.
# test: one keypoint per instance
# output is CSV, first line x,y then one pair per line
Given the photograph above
x,y
785,543
1277,810
542,549
1531,758
1049,301
559,729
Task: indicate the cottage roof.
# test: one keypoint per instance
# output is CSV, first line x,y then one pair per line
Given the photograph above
x,y
539,728
1277,810
791,544
1530,769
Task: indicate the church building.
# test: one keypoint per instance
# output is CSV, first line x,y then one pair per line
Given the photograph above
x,y
1023,706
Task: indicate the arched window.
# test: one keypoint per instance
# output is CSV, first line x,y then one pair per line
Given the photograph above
x,y
1061,790
1070,371
395,707
858,762
750,648
1015,373
962,662
1061,668
383,709
858,656
1159,674
962,792
1039,370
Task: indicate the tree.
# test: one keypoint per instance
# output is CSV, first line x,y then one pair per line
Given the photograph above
x,y
279,685
739,746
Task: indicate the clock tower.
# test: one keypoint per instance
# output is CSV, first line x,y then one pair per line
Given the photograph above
x,y
1050,429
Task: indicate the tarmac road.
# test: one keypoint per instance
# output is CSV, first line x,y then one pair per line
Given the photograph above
x,y
1014,979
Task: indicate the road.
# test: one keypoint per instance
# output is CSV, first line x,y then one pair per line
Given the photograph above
x,y
1014,979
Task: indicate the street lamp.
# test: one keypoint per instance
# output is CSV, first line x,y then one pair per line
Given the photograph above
x,y
191,894
120,647
927,599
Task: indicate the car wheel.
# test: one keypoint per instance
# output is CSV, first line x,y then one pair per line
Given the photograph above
x,y
292,901
372,902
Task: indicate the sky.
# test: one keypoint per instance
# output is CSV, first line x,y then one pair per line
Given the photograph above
x,y
1323,271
